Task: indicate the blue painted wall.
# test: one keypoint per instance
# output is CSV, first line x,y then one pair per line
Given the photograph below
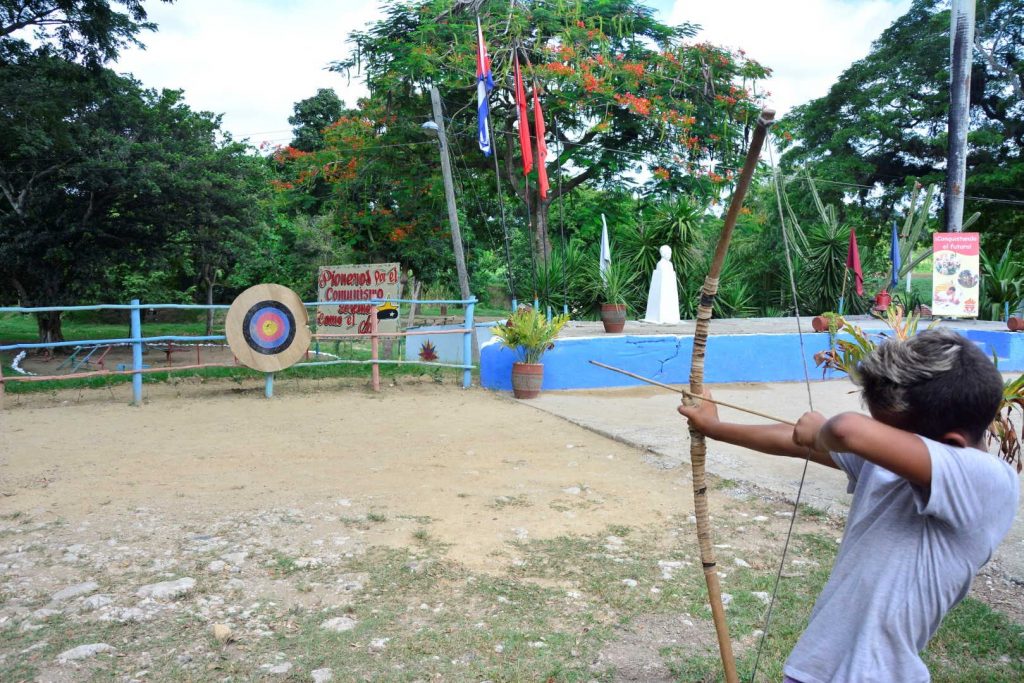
x,y
730,358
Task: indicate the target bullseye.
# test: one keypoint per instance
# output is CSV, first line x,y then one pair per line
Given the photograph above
x,y
267,328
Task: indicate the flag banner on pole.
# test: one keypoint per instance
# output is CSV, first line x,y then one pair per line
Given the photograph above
x,y
542,148
606,250
853,262
894,253
524,123
484,85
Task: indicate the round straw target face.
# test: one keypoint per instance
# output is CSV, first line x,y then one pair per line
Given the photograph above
x,y
267,328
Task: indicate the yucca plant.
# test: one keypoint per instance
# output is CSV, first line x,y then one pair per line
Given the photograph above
x,y
616,285
1003,283
529,333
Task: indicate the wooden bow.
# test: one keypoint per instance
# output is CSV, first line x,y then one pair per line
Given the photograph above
x,y
698,447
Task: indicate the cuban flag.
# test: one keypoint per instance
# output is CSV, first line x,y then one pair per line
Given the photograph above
x,y
484,85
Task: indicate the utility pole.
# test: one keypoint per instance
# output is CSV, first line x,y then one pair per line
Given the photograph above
x,y
961,53
449,194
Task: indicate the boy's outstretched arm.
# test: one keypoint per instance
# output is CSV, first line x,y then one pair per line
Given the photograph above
x,y
902,453
775,439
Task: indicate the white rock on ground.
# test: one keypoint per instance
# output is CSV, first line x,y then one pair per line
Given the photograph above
x,y
75,591
167,590
322,675
83,652
339,624
762,596
280,669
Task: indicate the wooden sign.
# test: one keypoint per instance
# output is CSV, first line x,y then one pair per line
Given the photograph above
x,y
267,328
353,287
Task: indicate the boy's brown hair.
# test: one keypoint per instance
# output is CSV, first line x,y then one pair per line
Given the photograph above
x,y
935,382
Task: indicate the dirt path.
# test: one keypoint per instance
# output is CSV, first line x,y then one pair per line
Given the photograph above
x,y
455,457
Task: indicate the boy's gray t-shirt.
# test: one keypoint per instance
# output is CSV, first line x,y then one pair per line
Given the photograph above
x,y
908,556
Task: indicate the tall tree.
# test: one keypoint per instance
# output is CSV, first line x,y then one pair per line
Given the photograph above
x,y
93,31
312,115
620,90
883,124
97,172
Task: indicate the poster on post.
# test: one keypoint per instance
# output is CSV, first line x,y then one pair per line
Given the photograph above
x,y
956,275
350,289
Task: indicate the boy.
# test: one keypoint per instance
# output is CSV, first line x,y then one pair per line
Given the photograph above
x,y
929,504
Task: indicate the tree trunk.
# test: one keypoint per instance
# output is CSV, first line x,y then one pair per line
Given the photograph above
x,y
49,325
541,238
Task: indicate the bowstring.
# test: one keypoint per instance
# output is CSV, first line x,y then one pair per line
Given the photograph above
x,y
810,403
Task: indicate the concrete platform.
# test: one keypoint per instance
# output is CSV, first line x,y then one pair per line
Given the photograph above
x,y
739,350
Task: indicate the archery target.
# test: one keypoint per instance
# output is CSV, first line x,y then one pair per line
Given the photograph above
x,y
267,328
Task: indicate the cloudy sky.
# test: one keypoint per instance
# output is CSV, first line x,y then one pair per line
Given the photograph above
x,y
251,60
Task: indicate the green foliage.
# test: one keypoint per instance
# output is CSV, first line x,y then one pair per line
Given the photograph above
x,y
621,89
1002,283
883,124
529,333
616,285
91,30
312,116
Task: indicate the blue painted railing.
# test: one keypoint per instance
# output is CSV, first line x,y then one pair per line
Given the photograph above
x,y
137,341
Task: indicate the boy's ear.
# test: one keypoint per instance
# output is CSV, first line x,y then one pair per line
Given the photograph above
x,y
956,438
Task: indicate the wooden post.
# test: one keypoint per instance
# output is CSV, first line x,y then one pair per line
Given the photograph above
x,y
961,53
449,194
373,348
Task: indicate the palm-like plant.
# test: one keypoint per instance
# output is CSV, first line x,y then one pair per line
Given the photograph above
x,y
1003,282
529,333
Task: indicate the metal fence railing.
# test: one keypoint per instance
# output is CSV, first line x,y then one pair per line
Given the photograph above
x,y
137,342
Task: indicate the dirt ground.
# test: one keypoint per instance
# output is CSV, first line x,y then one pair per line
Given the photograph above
x,y
271,504
416,450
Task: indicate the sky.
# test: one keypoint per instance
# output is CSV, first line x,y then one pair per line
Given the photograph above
x,y
252,60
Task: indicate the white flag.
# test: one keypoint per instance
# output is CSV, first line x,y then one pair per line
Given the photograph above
x,y
606,250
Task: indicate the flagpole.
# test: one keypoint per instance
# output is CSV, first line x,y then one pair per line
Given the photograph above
x,y
842,293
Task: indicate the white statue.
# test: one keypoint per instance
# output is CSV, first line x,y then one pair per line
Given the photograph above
x,y
663,298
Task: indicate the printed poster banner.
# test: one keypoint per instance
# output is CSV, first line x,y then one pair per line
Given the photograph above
x,y
956,275
353,287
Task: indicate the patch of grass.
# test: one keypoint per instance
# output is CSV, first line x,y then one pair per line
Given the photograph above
x,y
284,565
518,501
419,519
377,517
421,535
976,643
810,512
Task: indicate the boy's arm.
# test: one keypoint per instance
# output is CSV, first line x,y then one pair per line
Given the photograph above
x,y
776,439
902,453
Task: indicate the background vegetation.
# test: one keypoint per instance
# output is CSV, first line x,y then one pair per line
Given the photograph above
x,y
111,190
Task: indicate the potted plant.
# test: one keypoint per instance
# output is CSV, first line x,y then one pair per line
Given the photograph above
x,y
529,333
827,322
611,288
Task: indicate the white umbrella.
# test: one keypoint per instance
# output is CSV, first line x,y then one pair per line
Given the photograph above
x,y
606,250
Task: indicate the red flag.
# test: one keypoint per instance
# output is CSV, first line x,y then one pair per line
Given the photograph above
x,y
853,262
524,123
542,149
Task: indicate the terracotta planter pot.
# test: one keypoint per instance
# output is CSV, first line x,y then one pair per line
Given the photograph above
x,y
1015,324
882,300
613,316
527,379
819,323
